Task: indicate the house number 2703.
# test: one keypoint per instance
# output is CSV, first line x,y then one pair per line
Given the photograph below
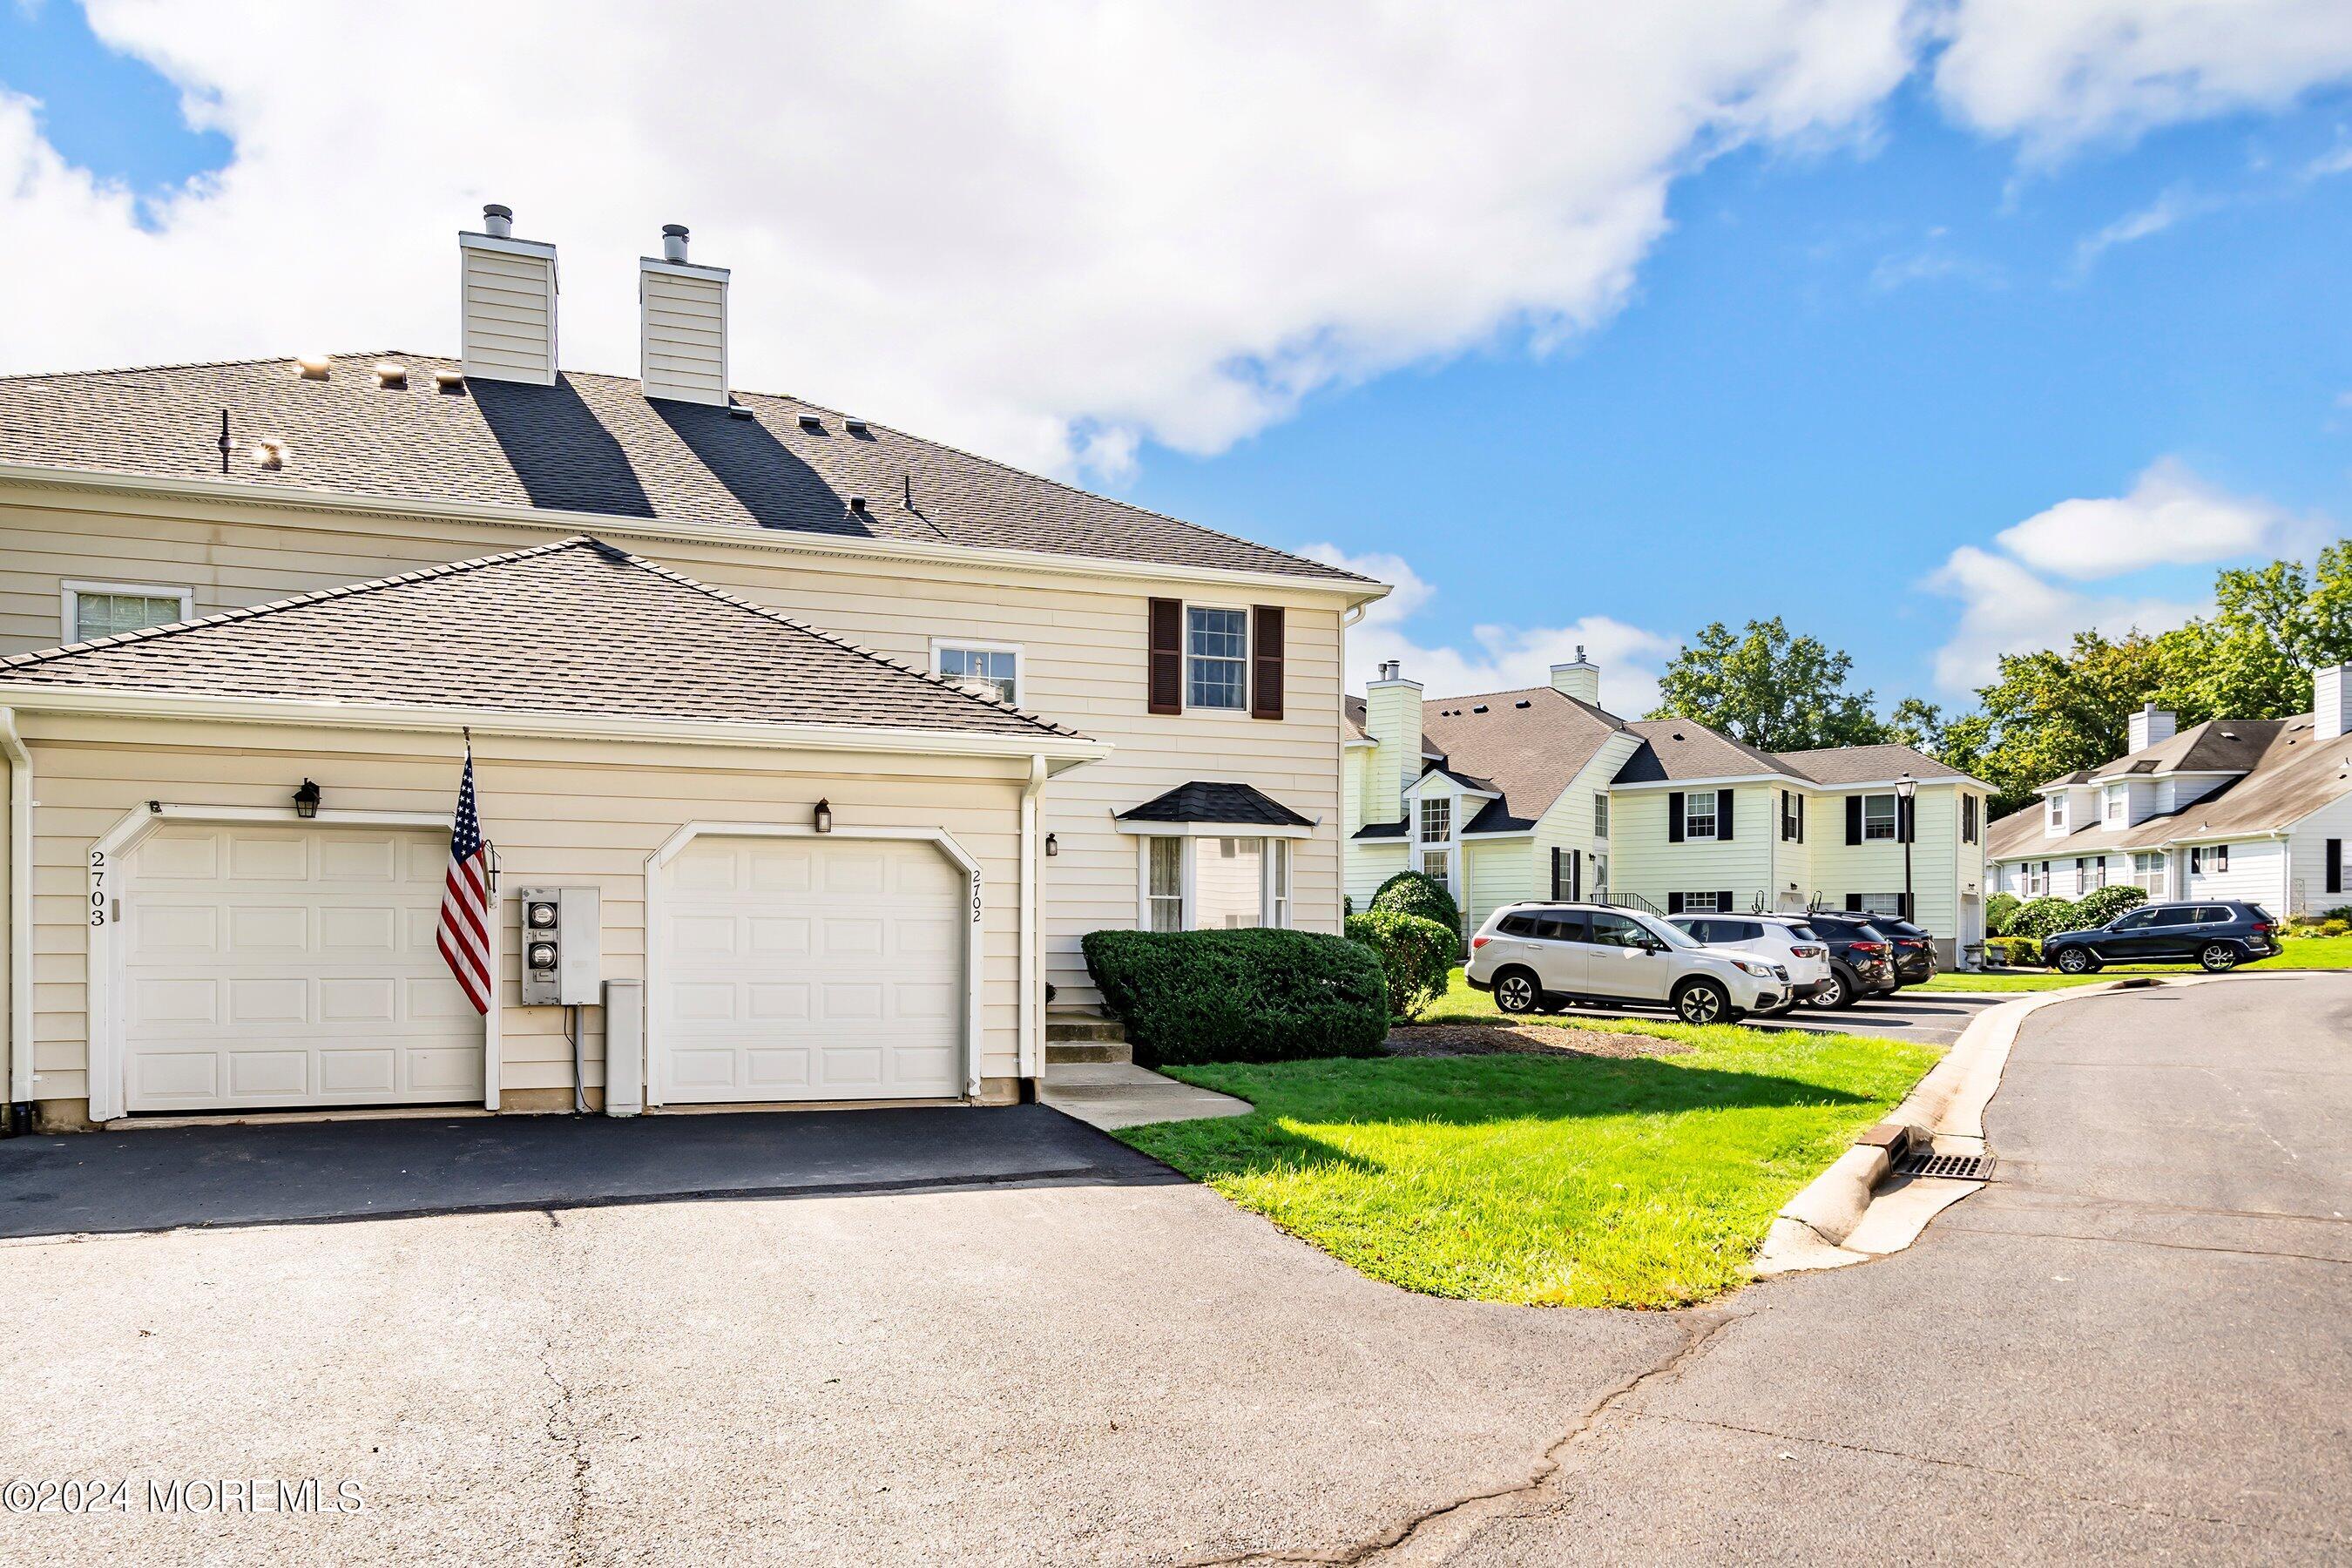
x,y
98,894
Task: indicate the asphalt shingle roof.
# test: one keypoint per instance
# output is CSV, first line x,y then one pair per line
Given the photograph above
x,y
577,626
1243,805
1684,749
1528,745
1865,765
589,443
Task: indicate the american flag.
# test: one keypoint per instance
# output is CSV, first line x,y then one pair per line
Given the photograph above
x,y
465,936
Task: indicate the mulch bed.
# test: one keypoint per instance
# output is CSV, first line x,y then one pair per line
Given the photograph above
x,y
1523,1039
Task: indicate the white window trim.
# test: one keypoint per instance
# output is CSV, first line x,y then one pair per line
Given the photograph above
x,y
2055,819
1893,834
1711,895
2114,803
1249,652
72,588
983,644
1714,834
1186,879
1601,817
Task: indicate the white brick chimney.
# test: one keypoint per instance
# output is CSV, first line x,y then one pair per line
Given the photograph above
x,y
681,325
506,302
1393,719
2331,701
1581,679
2151,726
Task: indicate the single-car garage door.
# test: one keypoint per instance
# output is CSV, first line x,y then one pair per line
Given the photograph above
x,y
290,966
811,969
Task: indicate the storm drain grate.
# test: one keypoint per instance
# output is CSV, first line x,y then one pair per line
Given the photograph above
x,y
1954,1167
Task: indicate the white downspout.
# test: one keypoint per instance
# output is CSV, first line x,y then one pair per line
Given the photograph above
x,y
1027,1014
20,919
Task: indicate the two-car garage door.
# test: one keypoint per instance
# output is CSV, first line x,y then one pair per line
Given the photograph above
x,y
269,966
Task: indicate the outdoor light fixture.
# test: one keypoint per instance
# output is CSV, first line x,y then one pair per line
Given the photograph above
x,y
1906,787
306,801
1053,845
824,817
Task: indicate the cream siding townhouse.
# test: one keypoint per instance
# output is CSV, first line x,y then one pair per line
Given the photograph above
x,y
853,735
1542,793
2256,809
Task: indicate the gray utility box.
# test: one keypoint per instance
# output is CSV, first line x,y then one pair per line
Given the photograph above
x,y
562,944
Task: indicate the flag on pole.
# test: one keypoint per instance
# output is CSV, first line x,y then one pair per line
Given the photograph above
x,y
465,935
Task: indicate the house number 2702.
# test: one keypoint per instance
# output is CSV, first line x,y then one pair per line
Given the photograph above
x,y
975,898
97,872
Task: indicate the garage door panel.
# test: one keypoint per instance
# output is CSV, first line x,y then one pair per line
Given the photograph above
x,y
290,967
842,962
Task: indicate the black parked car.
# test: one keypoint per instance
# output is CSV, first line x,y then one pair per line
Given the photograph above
x,y
1915,950
1862,959
2218,933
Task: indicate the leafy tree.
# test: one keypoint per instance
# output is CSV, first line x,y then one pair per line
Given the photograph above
x,y
1764,687
2271,626
2049,714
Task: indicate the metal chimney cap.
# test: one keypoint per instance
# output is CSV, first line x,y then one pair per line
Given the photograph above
x,y
674,242
498,220
676,228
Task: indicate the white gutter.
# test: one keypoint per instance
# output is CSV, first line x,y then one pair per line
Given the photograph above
x,y
20,913
1069,750
1030,1066
749,536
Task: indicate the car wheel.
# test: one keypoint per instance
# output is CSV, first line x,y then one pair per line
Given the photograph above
x,y
1516,992
1702,1002
1836,992
2217,957
2075,960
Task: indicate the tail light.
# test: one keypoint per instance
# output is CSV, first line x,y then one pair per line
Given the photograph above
x,y
1806,952
1872,948
2262,929
1478,941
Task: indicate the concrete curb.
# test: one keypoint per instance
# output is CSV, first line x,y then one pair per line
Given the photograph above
x,y
1813,1228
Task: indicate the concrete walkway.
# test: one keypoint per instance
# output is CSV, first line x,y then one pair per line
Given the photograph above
x,y
1111,1095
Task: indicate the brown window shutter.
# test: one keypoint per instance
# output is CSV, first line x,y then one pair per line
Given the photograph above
x,y
1165,682
1265,661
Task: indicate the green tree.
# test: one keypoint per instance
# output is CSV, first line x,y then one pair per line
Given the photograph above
x,y
2049,714
1773,691
2271,626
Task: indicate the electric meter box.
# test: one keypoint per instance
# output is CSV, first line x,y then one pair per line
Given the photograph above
x,y
561,946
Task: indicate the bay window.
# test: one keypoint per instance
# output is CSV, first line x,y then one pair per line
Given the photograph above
x,y
1200,882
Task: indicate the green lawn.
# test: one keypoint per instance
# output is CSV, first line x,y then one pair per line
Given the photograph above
x,y
1557,1181
2302,952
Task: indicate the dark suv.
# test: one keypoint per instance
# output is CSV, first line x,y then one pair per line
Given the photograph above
x,y
1915,950
1862,959
2218,933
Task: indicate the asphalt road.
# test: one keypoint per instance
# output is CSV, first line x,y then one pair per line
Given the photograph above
x,y
2133,1345
1931,1018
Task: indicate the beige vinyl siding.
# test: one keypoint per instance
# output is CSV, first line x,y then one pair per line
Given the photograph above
x,y
1567,824
1876,865
2257,873
684,352
1494,874
1081,631
2307,860
1370,863
562,813
1646,863
508,315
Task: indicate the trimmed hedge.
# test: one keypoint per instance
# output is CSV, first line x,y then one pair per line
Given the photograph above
x,y
2100,905
1417,955
1250,996
2014,950
1413,893
2044,917
2000,910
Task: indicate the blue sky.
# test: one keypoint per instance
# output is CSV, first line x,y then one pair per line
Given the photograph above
x,y
1852,357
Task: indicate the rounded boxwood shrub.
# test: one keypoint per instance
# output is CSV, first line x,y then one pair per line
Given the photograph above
x,y
2100,905
2045,917
1416,954
1414,893
2000,910
1250,996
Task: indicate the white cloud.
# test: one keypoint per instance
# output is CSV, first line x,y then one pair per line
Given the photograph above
x,y
1501,658
2058,74
1045,230
2169,518
2005,608
2171,207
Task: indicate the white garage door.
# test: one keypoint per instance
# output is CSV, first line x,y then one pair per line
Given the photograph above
x,y
811,969
290,966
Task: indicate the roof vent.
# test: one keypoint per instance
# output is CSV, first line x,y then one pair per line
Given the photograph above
x,y
738,410
858,503
811,422
857,426
498,221
389,372
450,380
1523,702
1479,707
673,242
271,452
314,367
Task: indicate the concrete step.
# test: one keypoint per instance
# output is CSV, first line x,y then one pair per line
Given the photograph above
x,y
1074,1026
1070,1053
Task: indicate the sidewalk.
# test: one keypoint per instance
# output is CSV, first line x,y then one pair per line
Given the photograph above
x,y
1112,1095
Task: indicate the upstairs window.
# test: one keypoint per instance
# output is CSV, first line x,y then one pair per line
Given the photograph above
x,y
1216,658
1698,815
94,610
1599,815
1879,815
1968,819
2118,797
1436,820
980,664
2058,813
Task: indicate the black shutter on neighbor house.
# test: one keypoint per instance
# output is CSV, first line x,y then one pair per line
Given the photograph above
x,y
1576,874
1800,819
1852,820
1673,903
1265,661
2335,865
1164,676
1787,819
1556,893
1853,903
1723,900
1723,814
1675,817
1903,822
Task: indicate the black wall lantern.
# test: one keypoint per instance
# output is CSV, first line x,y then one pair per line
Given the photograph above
x,y
306,801
1053,845
824,817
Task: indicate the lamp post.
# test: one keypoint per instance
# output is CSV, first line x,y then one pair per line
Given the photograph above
x,y
1905,788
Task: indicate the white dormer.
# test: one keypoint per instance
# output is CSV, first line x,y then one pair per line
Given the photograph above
x,y
506,291
2054,824
681,325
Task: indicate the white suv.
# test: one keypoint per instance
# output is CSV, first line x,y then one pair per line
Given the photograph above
x,y
1784,939
1544,955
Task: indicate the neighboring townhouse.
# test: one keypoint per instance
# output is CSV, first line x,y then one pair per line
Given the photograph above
x,y
1545,794
851,736
2231,808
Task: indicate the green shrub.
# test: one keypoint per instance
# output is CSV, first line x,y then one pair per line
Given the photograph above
x,y
2340,913
2332,927
2045,917
1417,956
2000,910
1411,893
1251,995
2100,905
2013,949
